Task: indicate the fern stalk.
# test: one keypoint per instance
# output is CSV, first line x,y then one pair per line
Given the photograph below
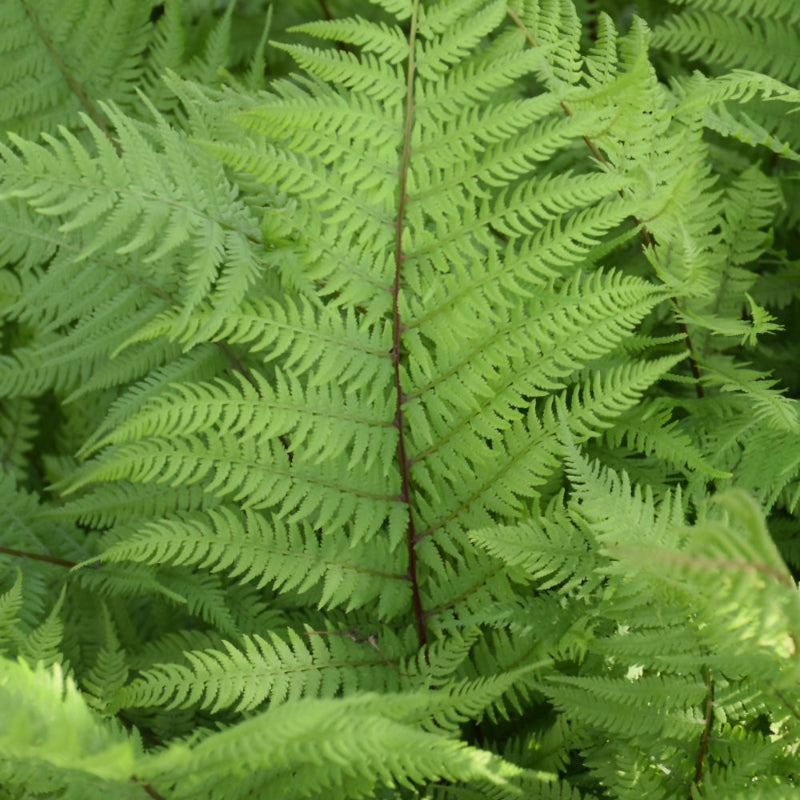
x,y
402,459
708,715
48,559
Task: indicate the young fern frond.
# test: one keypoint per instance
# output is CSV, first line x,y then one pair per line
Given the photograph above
x,y
110,671
10,604
43,643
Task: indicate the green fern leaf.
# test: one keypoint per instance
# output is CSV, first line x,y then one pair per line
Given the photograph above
x,y
10,604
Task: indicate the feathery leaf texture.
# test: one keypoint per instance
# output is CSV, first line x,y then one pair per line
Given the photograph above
x,y
354,417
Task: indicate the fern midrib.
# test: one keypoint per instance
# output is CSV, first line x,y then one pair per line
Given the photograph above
x,y
399,258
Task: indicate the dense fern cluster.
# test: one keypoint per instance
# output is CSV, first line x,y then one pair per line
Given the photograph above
x,y
400,403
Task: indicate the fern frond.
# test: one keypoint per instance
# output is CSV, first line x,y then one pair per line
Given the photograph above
x,y
56,741
42,644
747,553
288,669
194,365
437,54
435,18
301,335
652,428
18,418
341,743
374,37
381,395
203,597
614,509
253,549
275,410
132,206
554,26
24,531
120,503
777,9
225,470
212,53
762,42
780,412
553,552
67,57
63,362
10,604
605,703
740,85
137,581
618,392
379,80
110,671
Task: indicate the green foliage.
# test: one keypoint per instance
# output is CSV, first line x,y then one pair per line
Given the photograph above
x,y
397,398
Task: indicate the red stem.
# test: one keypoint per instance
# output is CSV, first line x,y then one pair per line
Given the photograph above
x,y
402,458
148,788
709,710
61,562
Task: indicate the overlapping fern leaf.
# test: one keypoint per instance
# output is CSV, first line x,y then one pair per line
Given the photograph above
x,y
750,39
753,34
693,676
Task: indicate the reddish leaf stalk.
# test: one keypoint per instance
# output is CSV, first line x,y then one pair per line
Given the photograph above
x,y
402,459
148,789
61,562
709,713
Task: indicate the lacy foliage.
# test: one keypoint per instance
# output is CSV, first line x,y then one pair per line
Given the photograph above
x,y
407,424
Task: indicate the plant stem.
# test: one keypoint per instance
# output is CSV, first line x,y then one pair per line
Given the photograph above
x,y
61,562
709,712
402,459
